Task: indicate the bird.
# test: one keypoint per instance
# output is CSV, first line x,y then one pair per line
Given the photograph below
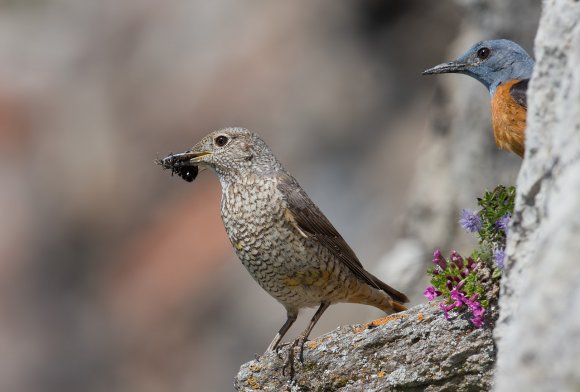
x,y
505,68
279,234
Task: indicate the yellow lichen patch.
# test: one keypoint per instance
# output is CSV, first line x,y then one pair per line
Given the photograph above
x,y
238,246
380,321
255,367
312,344
381,374
253,383
420,316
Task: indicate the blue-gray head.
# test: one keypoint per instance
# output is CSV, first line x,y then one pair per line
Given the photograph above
x,y
492,62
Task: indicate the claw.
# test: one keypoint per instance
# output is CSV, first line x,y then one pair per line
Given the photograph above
x,y
301,356
289,363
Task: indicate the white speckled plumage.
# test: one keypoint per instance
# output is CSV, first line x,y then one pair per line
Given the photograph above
x,y
284,241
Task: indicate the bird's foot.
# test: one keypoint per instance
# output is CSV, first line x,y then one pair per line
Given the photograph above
x,y
278,349
302,340
289,363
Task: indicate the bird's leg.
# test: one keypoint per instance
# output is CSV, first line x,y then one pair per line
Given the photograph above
x,y
291,317
302,339
304,335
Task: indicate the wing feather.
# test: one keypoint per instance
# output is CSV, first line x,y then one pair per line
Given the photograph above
x,y
518,91
310,221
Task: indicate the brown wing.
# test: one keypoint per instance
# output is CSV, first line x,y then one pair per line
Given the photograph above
x,y
518,91
311,222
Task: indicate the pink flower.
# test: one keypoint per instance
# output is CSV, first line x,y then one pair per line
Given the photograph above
x,y
476,309
446,309
456,259
477,321
439,260
430,293
458,296
471,264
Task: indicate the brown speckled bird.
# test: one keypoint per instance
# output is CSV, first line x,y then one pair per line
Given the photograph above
x,y
282,238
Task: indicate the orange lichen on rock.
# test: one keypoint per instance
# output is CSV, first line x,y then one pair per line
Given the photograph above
x,y
312,344
381,321
420,316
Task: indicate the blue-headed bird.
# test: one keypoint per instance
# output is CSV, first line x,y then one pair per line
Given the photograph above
x,y
505,69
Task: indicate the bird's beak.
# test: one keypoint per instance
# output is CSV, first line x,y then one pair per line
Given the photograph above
x,y
450,67
184,159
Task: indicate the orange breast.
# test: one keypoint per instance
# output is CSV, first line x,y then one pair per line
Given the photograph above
x,y
509,120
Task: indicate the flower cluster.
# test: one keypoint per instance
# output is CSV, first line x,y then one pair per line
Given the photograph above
x,y
456,280
471,283
495,213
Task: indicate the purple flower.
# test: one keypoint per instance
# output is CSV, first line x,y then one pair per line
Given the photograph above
x,y
439,260
476,309
458,296
499,257
470,264
477,321
470,221
430,293
446,309
449,284
503,223
456,259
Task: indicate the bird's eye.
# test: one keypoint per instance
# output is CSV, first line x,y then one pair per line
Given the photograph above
x,y
483,53
221,140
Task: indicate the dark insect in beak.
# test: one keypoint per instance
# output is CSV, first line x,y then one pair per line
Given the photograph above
x,y
174,162
188,173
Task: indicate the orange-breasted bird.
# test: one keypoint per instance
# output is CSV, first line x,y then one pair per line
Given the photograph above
x,y
505,69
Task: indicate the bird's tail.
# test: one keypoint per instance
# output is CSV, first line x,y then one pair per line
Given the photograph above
x,y
396,295
384,297
398,307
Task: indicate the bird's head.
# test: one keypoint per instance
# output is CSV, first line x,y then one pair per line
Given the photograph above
x,y
492,62
229,152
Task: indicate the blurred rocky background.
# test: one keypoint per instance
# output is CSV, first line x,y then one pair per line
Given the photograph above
x,y
114,275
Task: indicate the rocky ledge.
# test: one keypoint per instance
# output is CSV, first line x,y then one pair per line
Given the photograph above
x,y
416,350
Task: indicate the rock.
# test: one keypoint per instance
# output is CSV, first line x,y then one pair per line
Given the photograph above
x,y
416,350
539,323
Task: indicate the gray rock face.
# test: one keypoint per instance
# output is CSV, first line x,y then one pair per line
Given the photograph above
x,y
417,350
539,328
